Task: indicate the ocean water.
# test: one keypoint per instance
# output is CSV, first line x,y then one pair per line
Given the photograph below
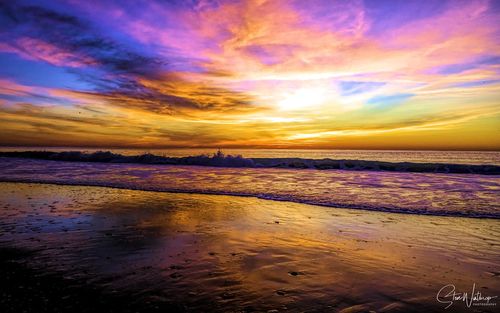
x,y
419,193
450,157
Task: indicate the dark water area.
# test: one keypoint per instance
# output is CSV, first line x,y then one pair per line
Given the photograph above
x,y
123,250
219,159
393,156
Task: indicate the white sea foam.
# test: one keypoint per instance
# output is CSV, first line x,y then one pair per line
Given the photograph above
x,y
422,193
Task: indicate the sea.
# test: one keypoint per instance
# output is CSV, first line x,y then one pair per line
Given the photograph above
x,y
415,156
429,193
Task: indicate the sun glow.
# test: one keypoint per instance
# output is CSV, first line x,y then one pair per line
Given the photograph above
x,y
303,98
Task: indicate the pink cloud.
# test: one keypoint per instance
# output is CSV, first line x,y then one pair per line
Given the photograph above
x,y
464,31
261,40
11,88
36,49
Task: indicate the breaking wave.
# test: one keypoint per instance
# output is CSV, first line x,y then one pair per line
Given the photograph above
x,y
220,160
468,195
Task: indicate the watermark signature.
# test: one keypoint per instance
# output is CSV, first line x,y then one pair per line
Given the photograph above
x,y
448,295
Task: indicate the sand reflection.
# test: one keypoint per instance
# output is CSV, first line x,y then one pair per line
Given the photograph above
x,y
236,252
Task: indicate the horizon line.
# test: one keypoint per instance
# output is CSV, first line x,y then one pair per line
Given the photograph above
x,y
246,148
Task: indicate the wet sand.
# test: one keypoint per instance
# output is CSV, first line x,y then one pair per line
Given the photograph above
x,y
123,250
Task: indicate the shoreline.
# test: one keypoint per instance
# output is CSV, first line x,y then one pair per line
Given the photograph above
x,y
465,195
200,192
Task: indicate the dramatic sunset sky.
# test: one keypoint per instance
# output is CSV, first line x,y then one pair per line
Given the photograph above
x,y
371,74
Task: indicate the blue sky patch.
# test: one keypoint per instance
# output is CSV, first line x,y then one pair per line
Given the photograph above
x,y
349,88
390,100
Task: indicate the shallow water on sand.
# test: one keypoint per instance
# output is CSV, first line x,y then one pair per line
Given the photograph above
x,y
423,193
240,253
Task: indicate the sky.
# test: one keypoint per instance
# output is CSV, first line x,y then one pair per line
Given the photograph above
x,y
373,74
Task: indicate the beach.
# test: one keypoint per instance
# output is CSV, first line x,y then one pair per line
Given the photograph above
x,y
132,249
237,156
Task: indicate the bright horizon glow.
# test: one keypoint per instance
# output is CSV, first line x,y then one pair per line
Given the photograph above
x,y
251,74
303,98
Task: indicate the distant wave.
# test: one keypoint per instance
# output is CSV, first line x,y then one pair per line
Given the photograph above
x,y
220,160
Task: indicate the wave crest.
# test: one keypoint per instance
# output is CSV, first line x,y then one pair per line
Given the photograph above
x,y
219,159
